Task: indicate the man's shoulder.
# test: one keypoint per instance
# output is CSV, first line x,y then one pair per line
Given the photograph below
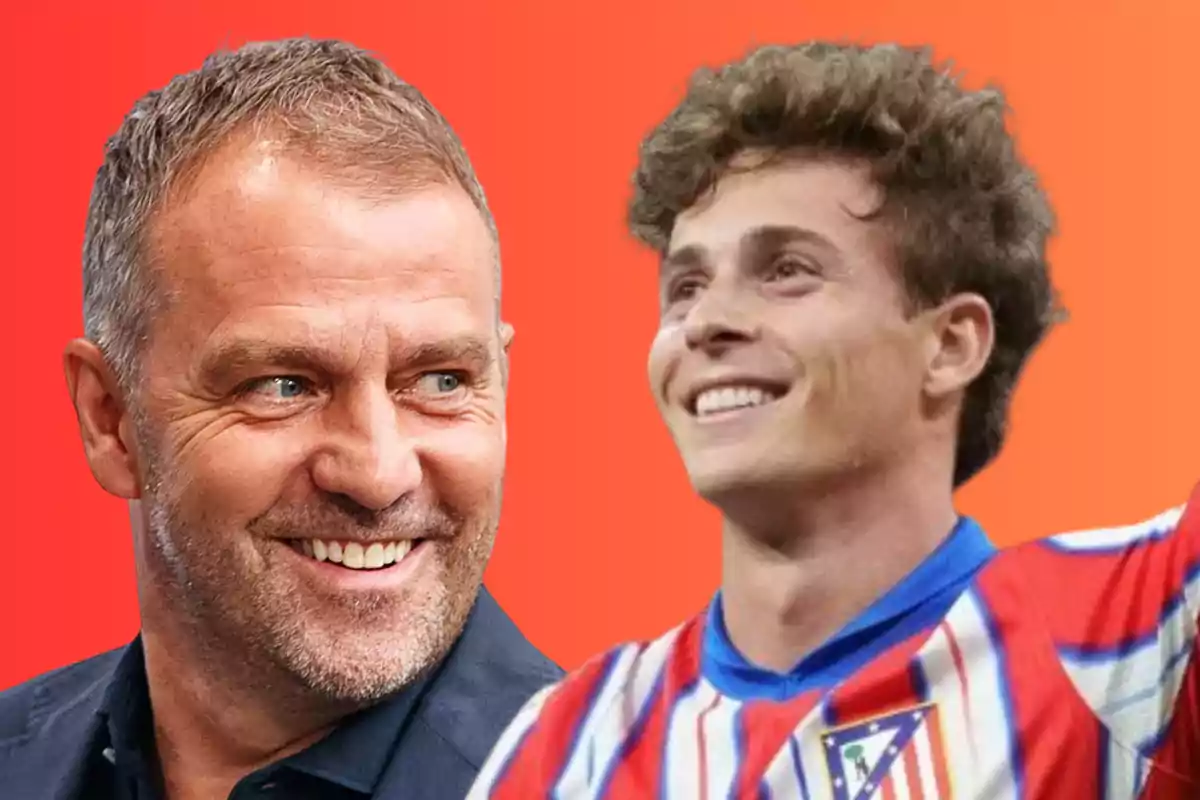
x,y
1069,582
27,708
1173,533
494,653
1119,606
490,674
516,680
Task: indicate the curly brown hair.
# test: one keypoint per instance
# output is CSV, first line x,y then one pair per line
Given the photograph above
x,y
964,212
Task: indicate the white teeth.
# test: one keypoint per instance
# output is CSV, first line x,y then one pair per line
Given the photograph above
x,y
355,555
373,558
352,555
728,398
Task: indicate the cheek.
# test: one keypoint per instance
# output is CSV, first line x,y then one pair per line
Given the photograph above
x,y
882,379
239,473
465,464
864,370
667,343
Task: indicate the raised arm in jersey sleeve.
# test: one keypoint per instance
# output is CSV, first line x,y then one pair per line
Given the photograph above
x,y
1122,605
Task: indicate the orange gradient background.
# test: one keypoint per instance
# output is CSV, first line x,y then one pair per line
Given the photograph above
x,y
601,538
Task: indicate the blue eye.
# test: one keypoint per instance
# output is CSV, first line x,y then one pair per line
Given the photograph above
x,y
279,387
289,387
442,382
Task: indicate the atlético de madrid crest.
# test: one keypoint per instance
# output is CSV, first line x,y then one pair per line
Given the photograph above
x,y
898,755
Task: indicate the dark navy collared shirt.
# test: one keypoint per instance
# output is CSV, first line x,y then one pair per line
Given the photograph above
x,y
86,732
345,765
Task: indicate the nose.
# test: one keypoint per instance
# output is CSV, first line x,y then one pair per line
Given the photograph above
x,y
720,317
369,459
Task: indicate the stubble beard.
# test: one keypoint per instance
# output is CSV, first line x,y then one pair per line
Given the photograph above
x,y
254,627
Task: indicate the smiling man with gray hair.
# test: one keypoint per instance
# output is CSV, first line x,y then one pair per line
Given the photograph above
x,y
295,373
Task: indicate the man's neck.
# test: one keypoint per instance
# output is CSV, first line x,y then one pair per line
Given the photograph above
x,y
211,729
794,579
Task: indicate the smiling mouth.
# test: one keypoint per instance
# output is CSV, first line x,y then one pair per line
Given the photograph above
x,y
735,397
356,555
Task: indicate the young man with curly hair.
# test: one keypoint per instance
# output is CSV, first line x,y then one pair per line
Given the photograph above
x,y
853,274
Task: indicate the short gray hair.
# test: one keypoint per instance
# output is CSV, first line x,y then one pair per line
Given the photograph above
x,y
331,103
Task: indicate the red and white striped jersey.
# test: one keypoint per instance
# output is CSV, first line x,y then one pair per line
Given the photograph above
x,y
1063,668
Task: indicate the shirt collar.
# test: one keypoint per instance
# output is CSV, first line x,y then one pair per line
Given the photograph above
x,y
125,706
919,599
354,755
358,751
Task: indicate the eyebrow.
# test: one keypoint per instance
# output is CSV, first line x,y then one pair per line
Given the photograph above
x,y
227,363
462,350
692,255
774,237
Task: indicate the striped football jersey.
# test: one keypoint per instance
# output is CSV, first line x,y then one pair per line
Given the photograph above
x,y
1063,668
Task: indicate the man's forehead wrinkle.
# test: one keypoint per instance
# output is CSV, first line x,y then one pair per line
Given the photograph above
x,y
331,340
259,261
412,261
195,258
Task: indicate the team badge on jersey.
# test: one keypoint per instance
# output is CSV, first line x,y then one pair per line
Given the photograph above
x,y
899,756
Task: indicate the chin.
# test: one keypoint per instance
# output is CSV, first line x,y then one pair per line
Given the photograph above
x,y
361,661
729,481
365,671
758,484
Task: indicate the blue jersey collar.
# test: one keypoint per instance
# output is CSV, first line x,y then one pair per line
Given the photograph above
x,y
917,602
